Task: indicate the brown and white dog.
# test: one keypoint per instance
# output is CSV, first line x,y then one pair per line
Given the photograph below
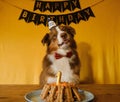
x,y
61,56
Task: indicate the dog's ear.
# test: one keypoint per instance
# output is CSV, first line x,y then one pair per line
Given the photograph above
x,y
70,30
45,39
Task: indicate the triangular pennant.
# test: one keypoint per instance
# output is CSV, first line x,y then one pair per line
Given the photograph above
x,y
25,15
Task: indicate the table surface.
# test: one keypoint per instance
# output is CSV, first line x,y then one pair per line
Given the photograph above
x,y
103,93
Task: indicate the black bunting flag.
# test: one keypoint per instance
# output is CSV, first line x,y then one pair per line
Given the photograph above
x,y
65,19
56,5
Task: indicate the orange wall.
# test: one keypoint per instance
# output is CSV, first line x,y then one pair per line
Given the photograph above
x,y
98,40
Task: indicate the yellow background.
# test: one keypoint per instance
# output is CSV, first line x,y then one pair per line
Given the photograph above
x,y
98,39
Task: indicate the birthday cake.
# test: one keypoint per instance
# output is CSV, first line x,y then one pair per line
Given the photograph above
x,y
61,92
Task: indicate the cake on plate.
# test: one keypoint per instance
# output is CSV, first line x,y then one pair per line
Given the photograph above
x,y
61,92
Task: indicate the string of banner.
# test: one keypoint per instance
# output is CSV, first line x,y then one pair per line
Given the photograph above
x,y
52,6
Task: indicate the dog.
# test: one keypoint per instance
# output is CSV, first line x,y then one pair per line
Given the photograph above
x,y
61,55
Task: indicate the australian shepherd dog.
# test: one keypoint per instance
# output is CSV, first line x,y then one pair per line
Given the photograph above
x,y
61,55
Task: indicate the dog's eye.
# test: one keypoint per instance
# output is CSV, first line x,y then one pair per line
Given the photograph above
x,y
64,35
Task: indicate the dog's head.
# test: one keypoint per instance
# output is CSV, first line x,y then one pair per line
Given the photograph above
x,y
60,37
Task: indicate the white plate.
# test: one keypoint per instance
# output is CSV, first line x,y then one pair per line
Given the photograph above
x,y
34,96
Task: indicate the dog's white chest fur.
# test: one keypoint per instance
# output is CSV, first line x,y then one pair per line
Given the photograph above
x,y
63,65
